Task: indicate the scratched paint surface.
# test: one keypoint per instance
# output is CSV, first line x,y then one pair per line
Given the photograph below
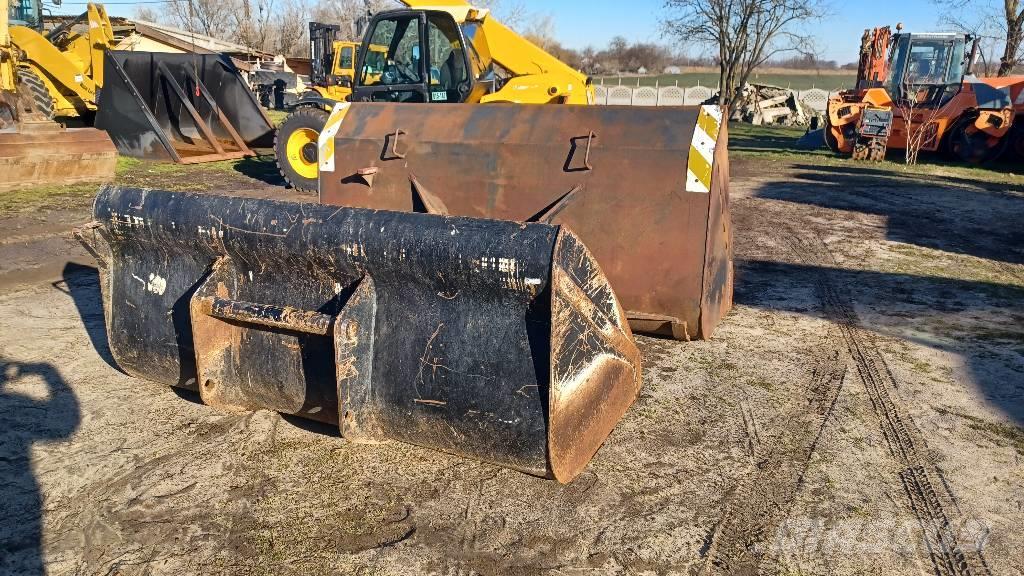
x,y
459,348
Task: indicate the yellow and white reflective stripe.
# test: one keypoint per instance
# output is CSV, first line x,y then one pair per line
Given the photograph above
x,y
325,145
701,161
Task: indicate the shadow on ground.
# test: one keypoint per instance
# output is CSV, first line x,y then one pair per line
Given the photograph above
x,y
262,168
47,414
950,214
930,311
82,283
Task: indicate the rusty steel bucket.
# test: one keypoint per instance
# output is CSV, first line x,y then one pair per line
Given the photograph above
x,y
184,108
44,152
646,189
495,340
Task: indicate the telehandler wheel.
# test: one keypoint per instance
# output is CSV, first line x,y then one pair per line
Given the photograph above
x,y
295,147
971,145
42,102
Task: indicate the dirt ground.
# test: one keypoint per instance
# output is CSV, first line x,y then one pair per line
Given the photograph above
x,y
861,411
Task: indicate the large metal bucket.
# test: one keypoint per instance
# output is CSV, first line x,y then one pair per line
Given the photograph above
x,y
646,189
495,340
45,153
183,108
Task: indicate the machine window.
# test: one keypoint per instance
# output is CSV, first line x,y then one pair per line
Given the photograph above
x,y
929,62
447,59
346,58
401,36
24,13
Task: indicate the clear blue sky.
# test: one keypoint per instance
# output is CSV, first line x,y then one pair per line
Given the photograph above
x,y
579,23
582,22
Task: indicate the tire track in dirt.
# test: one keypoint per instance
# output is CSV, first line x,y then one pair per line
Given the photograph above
x,y
933,509
755,508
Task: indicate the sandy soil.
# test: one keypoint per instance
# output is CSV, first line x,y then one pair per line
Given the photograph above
x,y
860,412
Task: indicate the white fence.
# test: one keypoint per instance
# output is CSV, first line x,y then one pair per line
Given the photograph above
x,y
618,95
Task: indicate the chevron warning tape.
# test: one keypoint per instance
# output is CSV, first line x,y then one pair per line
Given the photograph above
x,y
325,145
702,149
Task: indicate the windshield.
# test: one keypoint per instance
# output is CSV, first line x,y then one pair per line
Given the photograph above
x,y
25,13
920,62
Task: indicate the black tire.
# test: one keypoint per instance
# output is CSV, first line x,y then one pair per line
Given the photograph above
x,y
303,118
968,148
42,102
830,139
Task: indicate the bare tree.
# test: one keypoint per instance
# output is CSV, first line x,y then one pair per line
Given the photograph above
x,y
920,120
511,13
292,31
745,33
998,25
345,13
208,17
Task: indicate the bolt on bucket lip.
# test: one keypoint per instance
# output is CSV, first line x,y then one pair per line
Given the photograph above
x,y
495,340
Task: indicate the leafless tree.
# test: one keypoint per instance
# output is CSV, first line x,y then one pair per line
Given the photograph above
x,y
1014,16
208,17
999,26
745,33
919,120
512,13
345,13
292,31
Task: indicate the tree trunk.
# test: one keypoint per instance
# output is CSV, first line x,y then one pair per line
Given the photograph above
x,y
724,98
1014,35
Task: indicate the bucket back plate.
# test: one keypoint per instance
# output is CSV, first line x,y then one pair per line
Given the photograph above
x,y
622,178
45,153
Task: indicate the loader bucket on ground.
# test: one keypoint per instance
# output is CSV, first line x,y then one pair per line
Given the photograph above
x,y
495,340
42,153
184,108
646,189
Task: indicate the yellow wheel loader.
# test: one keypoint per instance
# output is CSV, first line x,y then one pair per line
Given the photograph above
x,y
331,79
67,61
174,107
33,148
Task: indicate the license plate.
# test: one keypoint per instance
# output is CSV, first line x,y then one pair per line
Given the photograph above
x,y
439,96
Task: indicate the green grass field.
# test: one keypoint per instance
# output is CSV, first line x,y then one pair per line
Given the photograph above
x,y
795,81
778,144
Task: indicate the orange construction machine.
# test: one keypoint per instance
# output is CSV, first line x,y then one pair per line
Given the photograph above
x,y
917,90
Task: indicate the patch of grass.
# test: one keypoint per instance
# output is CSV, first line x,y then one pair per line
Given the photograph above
x,y
1013,435
143,173
277,116
46,197
780,143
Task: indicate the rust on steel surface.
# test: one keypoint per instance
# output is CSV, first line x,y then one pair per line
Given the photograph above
x,y
496,340
615,175
53,155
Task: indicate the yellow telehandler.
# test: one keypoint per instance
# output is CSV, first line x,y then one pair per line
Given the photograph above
x,y
508,69
33,148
